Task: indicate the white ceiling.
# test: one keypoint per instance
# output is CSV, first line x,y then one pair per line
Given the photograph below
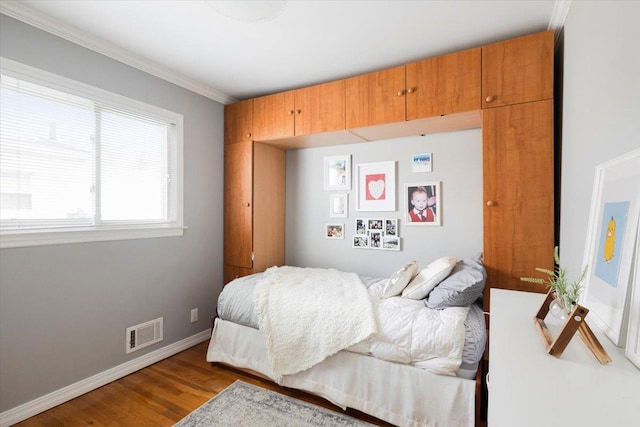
x,y
307,42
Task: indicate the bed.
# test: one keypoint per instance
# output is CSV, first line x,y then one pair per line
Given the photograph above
x,y
405,349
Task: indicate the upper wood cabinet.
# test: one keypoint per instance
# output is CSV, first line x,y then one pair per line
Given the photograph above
x,y
518,70
306,111
444,85
375,98
432,87
238,122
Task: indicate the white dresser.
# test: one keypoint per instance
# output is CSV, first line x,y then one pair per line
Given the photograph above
x,y
527,387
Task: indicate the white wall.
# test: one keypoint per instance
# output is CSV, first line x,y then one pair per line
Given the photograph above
x,y
457,162
601,111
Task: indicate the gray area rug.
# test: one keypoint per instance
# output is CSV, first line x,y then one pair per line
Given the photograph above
x,y
246,405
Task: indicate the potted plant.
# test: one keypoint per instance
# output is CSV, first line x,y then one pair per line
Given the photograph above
x,y
567,294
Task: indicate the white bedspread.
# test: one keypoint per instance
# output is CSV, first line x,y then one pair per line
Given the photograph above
x,y
309,314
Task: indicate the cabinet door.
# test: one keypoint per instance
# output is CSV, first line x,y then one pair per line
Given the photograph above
x,y
375,98
238,204
518,70
320,108
444,85
518,170
273,116
238,122
232,272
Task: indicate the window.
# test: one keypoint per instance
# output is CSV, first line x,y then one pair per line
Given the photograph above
x,y
80,164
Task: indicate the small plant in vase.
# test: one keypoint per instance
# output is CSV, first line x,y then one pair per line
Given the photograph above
x,y
567,294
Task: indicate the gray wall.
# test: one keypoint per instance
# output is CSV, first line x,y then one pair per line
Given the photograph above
x,y
457,162
601,112
64,309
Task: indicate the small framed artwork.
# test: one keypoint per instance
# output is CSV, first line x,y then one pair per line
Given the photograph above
x,y
338,205
361,241
376,186
611,237
337,172
361,226
421,163
391,243
422,203
632,348
334,231
375,239
375,224
391,227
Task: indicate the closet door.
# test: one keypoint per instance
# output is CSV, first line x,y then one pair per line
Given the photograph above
x,y
518,174
238,204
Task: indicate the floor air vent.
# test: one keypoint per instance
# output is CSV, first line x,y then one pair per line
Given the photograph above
x,y
144,334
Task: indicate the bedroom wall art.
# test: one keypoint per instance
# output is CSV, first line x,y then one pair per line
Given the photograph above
x,y
611,236
334,231
422,203
337,172
376,186
421,163
339,205
376,233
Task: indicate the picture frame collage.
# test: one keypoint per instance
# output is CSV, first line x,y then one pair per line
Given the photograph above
x,y
376,233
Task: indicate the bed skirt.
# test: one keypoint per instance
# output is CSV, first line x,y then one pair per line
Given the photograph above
x,y
399,394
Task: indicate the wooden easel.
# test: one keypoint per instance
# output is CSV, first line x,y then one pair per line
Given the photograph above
x,y
575,322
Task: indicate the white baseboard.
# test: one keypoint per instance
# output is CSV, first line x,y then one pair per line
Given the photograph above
x,y
48,401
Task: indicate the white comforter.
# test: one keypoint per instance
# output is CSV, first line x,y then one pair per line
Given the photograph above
x,y
407,331
308,314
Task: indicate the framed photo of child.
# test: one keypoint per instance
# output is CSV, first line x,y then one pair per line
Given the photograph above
x,y
422,203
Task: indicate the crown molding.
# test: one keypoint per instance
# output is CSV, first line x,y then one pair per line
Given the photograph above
x,y
51,25
558,17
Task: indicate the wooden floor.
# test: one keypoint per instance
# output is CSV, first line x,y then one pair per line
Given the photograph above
x,y
161,395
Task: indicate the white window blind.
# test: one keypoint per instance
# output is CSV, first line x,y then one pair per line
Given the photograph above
x,y
81,164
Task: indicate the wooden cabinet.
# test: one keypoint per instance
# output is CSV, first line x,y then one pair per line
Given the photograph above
x,y
254,208
444,85
376,98
238,122
518,70
432,87
306,111
518,177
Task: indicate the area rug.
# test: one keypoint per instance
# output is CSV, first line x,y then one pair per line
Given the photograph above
x,y
246,405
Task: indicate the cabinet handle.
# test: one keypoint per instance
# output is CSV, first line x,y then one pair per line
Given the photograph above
x,y
490,98
290,112
298,111
249,135
491,203
401,92
248,204
411,89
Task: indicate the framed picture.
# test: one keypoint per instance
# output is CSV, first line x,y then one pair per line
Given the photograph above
x,y
375,239
374,224
337,172
361,226
334,231
338,205
632,349
611,236
361,241
421,163
422,203
376,186
391,243
391,227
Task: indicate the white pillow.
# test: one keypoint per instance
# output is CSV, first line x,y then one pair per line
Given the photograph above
x,y
399,280
428,278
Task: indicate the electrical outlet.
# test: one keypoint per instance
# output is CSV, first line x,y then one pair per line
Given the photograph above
x,y
194,315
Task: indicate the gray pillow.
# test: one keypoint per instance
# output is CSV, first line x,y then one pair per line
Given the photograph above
x,y
461,288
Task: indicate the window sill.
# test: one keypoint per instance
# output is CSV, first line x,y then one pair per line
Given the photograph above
x,y
20,239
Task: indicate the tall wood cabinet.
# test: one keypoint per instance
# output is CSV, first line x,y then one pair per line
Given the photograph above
x,y
254,208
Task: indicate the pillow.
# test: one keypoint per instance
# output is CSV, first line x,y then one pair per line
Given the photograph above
x,y
463,286
428,278
399,280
